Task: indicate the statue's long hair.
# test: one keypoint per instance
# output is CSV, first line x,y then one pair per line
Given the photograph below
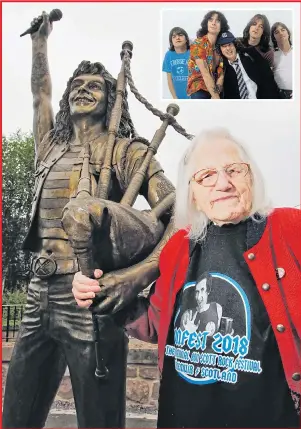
x,y
62,131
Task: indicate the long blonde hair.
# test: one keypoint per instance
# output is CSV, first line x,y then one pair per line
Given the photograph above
x,y
195,222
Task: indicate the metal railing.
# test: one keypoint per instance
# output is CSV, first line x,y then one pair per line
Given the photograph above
x,y
11,320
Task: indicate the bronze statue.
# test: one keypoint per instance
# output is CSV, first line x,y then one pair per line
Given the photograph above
x,y
85,162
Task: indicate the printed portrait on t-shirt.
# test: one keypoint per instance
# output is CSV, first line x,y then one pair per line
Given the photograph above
x,y
205,315
212,330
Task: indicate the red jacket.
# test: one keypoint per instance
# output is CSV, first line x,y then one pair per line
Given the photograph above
x,y
279,247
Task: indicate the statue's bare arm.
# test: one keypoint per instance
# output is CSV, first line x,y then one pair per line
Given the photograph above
x,y
41,83
155,190
156,186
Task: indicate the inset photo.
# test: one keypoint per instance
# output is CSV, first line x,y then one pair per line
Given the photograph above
x,y
227,54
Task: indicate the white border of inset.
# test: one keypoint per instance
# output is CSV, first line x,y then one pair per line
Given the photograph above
x,y
259,8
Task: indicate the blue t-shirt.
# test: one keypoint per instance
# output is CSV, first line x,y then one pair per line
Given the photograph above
x,y
176,64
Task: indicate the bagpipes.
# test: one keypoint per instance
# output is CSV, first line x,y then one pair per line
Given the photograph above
x,y
85,218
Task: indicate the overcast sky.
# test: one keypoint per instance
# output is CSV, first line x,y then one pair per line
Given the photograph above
x,y
190,20
95,32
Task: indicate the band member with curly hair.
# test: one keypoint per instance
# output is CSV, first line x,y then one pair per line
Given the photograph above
x,y
205,65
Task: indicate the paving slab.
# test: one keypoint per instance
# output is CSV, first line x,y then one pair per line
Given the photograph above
x,y
68,420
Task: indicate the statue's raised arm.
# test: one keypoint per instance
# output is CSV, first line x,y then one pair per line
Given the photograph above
x,y
41,87
90,167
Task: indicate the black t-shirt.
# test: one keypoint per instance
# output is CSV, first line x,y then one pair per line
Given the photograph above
x,y
222,366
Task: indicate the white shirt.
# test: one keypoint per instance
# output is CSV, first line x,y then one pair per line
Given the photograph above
x,y
283,69
251,86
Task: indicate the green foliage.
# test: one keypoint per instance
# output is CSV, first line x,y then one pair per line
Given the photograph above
x,y
17,188
11,317
14,298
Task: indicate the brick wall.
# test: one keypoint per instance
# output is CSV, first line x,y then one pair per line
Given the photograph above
x,y
142,384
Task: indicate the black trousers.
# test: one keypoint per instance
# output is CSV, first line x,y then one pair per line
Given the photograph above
x,y
286,93
55,332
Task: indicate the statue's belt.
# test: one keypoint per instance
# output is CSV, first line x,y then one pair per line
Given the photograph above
x,y
45,266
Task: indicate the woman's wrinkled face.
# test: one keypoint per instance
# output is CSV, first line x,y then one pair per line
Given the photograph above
x,y
221,186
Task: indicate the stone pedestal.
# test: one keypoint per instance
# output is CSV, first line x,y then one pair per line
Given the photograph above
x,y
142,384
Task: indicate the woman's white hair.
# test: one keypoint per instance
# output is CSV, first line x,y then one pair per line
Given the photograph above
x,y
195,222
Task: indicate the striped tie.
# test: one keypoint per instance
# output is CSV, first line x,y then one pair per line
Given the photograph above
x,y
243,90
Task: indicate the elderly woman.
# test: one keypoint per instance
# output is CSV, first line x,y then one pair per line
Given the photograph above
x,y
232,273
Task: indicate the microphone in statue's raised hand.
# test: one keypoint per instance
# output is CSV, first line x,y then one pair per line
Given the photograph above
x,y
43,20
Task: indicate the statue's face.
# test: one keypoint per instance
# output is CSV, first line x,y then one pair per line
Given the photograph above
x,y
88,95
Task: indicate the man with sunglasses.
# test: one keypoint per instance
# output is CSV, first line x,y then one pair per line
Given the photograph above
x,y
251,253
